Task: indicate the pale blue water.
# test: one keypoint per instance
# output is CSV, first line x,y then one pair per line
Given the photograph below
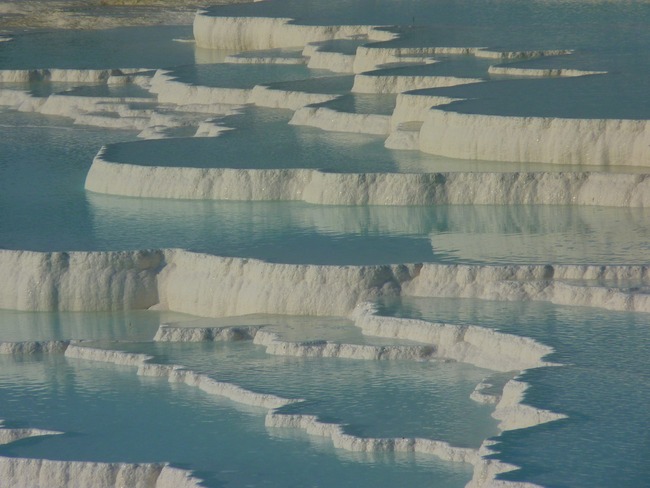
x,y
102,408
371,398
280,145
242,75
110,414
110,48
603,387
338,84
609,36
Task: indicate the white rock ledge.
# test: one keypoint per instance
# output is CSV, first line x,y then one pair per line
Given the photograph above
x,y
332,120
34,347
312,186
325,349
341,440
44,473
214,286
79,281
63,75
169,333
178,374
8,436
479,346
602,142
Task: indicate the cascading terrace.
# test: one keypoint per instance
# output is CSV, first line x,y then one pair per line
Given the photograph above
x,y
438,117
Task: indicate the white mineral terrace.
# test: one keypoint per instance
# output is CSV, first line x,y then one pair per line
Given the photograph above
x,y
470,344
44,473
474,345
516,71
371,57
595,142
604,142
33,347
510,410
213,286
258,33
313,186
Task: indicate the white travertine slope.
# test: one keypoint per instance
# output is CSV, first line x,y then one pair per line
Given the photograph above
x,y
542,72
603,142
169,333
332,120
271,402
63,75
79,280
261,59
178,374
266,96
8,435
125,113
33,347
85,109
484,238
44,473
324,349
514,414
481,394
375,83
258,33
213,286
332,61
170,90
413,106
75,351
482,347
369,58
312,186
153,120
536,283
20,100
341,440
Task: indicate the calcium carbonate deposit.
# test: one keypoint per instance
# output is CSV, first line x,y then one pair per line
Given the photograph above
x,y
297,243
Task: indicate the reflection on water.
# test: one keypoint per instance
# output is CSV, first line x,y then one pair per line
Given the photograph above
x,y
374,235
